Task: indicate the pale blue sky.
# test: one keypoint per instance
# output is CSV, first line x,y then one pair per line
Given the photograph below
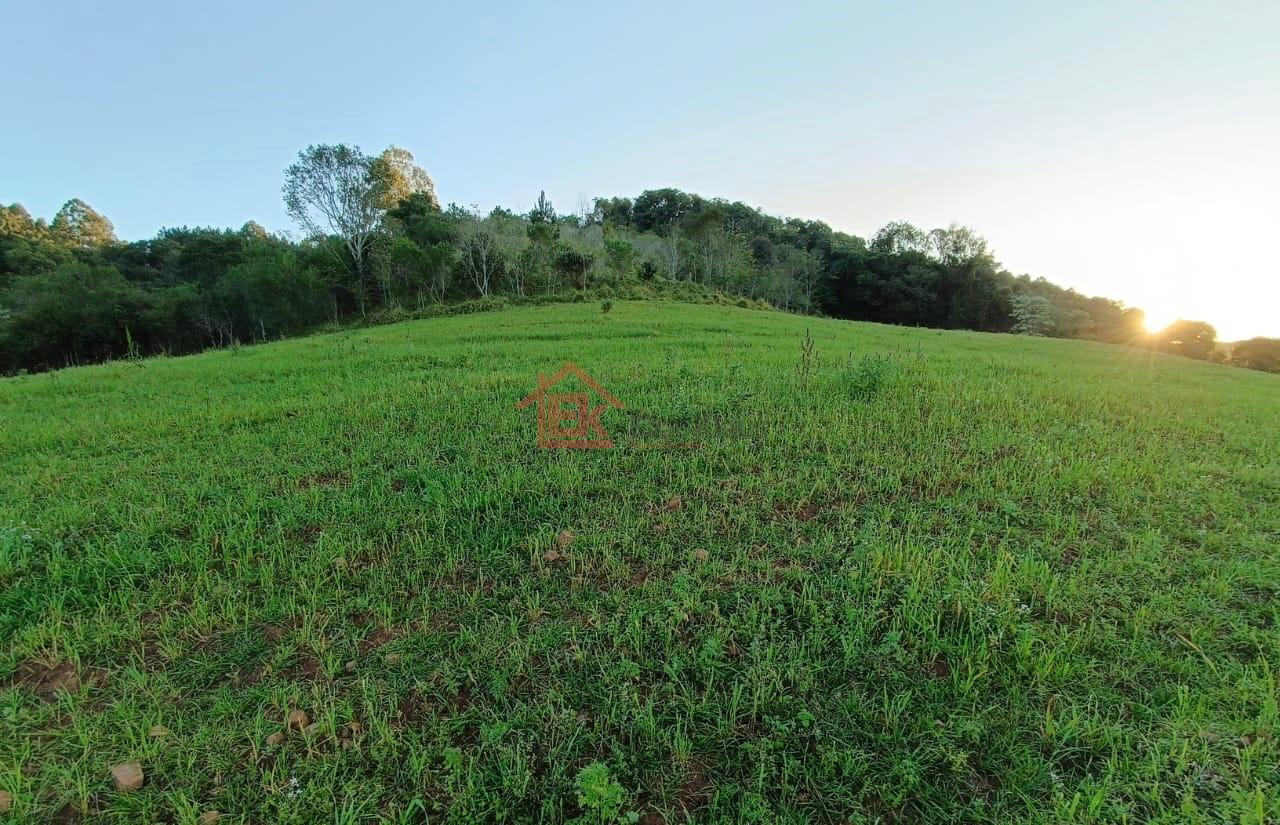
x,y
1126,149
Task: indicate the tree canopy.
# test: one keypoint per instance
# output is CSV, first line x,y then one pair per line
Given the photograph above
x,y
377,240
78,224
340,191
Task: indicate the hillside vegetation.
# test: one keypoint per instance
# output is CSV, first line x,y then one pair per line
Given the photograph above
x,y
376,243
831,571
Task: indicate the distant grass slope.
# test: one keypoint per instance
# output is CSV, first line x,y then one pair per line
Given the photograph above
x,y
936,577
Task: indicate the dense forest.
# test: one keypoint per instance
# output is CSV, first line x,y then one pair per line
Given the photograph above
x,y
376,244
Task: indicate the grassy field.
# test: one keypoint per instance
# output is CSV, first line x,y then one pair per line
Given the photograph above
x,y
922,576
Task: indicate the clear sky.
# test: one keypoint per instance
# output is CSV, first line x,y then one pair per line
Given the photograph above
x,y
1125,149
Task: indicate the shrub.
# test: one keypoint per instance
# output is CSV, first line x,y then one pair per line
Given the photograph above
x,y
601,797
1257,354
866,377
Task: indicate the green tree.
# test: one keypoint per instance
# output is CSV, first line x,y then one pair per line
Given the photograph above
x,y
73,315
439,261
333,190
1032,315
544,227
953,246
480,256
898,237
1257,354
614,212
24,255
543,211
407,272
397,178
16,221
269,295
1194,339
419,218
574,264
254,230
621,256
657,210
77,224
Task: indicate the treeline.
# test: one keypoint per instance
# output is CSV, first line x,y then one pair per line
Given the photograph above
x,y
945,278
377,242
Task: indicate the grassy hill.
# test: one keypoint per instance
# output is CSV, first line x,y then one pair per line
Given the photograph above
x,y
932,576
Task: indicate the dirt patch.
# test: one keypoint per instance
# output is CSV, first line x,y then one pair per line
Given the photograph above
x,y
307,668
939,668
695,791
304,533
1077,763
462,701
278,630
333,478
800,511
153,661
982,784
412,710
48,681
1063,618
377,639
242,678
674,504
151,618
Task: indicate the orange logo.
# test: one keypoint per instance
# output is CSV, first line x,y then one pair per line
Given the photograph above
x,y
566,420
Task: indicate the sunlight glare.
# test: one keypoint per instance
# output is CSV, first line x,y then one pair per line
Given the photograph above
x,y
1157,319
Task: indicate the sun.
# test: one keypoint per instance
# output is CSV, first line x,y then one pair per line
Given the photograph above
x,y
1155,319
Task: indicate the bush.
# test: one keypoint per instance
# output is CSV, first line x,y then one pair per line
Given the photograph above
x,y
75,314
866,377
1257,354
465,307
601,797
269,295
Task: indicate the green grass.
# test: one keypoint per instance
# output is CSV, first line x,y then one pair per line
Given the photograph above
x,y
934,576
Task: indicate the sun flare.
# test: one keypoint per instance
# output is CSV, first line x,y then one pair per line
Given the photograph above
x,y
1156,320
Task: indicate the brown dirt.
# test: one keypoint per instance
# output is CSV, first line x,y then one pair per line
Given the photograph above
x,y
48,680
939,668
376,639
412,710
332,478
695,792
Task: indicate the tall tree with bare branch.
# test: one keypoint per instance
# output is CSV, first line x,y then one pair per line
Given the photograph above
x,y
332,190
480,255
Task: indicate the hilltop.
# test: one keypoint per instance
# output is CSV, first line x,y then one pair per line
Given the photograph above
x,y
377,245
830,571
